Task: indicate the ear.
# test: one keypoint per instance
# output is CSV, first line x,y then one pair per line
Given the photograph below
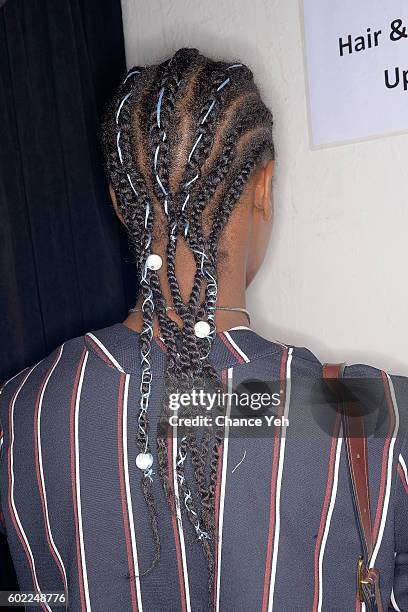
x,y
115,204
263,190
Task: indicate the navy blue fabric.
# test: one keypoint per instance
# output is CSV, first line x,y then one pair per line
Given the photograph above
x,y
289,539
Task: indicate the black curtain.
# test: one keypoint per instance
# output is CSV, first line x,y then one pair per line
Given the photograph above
x,y
64,264
61,252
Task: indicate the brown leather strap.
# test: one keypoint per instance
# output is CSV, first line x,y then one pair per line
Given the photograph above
x,y
356,444
368,579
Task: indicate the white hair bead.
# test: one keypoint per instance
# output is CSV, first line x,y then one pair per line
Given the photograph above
x,y
202,329
144,461
154,262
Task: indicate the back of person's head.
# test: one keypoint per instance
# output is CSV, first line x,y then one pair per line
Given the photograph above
x,y
182,140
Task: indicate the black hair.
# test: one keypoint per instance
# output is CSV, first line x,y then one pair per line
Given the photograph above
x,y
181,138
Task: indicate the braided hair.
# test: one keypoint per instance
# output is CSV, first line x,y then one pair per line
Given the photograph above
x,y
181,140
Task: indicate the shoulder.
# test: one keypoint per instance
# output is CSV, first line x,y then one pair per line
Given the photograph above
x,y
26,385
306,360
383,394
60,369
378,388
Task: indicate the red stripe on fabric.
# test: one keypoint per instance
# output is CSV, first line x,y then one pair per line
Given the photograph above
x,y
37,466
174,521
217,498
217,512
161,344
13,517
387,442
402,476
328,493
100,352
73,477
275,462
232,350
123,495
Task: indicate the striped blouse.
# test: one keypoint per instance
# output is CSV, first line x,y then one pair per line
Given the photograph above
x,y
287,540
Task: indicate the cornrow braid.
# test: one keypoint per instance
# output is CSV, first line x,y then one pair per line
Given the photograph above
x,y
136,204
168,88
182,138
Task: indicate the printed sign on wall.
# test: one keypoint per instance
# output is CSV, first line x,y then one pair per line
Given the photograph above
x,y
357,68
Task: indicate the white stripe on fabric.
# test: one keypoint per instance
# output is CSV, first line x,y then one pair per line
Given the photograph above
x,y
179,517
222,487
236,347
4,385
393,602
40,463
389,474
107,353
279,481
329,516
78,484
249,329
280,343
16,515
128,494
404,467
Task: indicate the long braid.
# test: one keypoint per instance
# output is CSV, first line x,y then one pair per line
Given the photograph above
x,y
192,173
181,137
192,225
168,87
197,156
138,212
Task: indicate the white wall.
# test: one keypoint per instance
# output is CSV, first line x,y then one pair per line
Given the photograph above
x,y
335,279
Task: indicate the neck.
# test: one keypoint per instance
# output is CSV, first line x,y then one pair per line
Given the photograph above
x,y
231,293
